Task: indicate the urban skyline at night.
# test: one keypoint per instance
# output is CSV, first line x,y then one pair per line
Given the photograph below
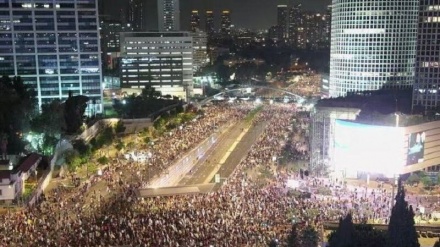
x,y
244,14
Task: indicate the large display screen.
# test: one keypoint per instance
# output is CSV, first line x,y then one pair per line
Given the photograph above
x,y
368,148
416,148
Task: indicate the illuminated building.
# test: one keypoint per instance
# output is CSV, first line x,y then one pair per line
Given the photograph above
x,y
110,41
373,45
296,28
427,86
169,15
136,14
53,46
283,20
200,52
209,24
163,60
195,20
226,22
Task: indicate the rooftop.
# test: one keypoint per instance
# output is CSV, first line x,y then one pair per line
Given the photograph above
x,y
379,107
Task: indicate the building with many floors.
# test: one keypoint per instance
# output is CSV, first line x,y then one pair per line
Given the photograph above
x,y
163,60
195,21
226,22
200,50
426,94
372,45
209,22
169,15
54,46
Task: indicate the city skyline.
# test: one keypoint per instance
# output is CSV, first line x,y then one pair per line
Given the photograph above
x,y
244,14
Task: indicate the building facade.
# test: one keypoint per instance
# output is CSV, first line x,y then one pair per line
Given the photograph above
x,y
427,86
195,21
373,45
200,52
163,60
283,20
54,46
169,15
110,42
226,22
209,22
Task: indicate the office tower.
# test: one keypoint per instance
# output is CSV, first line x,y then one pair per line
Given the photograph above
x,y
283,20
373,45
200,53
137,13
163,60
110,41
226,22
296,27
195,20
275,33
169,15
209,26
316,31
427,85
54,47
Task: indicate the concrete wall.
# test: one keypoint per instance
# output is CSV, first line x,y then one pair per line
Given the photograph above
x,y
176,172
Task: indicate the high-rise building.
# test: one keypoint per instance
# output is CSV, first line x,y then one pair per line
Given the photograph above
x,y
137,14
297,33
200,52
195,21
53,46
169,15
283,20
209,18
275,33
226,22
110,41
373,46
427,85
316,31
163,60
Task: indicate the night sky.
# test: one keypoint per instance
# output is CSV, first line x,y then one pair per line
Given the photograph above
x,y
253,14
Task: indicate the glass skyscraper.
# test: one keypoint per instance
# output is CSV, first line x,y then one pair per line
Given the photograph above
x,y
373,45
53,45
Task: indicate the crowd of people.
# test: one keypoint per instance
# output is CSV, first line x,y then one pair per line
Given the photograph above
x,y
241,212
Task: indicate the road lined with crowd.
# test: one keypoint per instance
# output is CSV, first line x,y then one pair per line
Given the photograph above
x,y
248,210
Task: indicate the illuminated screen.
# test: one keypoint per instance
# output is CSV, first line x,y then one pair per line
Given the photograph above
x,y
416,148
368,148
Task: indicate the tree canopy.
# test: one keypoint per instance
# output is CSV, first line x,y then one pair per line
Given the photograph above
x,y
17,107
401,229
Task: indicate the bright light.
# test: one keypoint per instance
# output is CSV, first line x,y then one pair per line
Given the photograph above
x,y
258,101
368,148
124,102
291,183
271,101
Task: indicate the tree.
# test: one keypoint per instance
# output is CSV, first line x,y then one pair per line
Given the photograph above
x,y
18,105
119,128
413,179
292,239
309,237
74,109
426,181
344,235
401,229
50,124
82,147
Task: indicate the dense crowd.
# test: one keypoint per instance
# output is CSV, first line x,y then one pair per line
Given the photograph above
x,y
241,213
